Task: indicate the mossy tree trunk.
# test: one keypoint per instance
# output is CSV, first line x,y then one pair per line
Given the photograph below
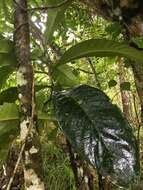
x,y
124,93
32,161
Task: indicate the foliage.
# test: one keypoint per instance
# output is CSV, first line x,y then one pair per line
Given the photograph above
x,y
100,48
58,174
112,83
67,34
54,18
126,86
138,41
65,76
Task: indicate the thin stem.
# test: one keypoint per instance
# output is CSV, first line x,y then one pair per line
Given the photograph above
x,y
138,120
42,72
84,71
16,166
20,154
94,72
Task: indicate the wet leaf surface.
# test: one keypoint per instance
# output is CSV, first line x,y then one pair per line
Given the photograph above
x,y
99,132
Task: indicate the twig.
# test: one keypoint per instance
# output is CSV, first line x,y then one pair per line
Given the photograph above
x,y
94,72
138,120
42,72
117,93
16,166
21,7
88,72
23,146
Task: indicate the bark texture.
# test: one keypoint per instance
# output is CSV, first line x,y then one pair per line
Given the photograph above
x,y
33,173
124,94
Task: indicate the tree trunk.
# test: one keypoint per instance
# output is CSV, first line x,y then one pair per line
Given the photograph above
x,y
124,94
138,75
31,155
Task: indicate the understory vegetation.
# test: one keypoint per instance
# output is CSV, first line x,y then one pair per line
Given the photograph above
x,y
71,96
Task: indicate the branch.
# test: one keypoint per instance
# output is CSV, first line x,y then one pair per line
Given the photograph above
x,y
42,72
85,71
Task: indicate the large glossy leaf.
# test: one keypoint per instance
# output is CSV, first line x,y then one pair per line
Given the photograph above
x,y
99,132
55,15
100,48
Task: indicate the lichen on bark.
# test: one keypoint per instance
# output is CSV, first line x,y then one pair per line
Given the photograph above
x,y
33,172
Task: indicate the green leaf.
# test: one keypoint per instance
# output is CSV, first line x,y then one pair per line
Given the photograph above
x,y
99,132
53,134
40,87
125,86
5,72
114,29
55,15
112,83
9,121
64,76
6,46
45,116
8,132
9,95
138,41
100,48
7,59
127,63
9,111
7,65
